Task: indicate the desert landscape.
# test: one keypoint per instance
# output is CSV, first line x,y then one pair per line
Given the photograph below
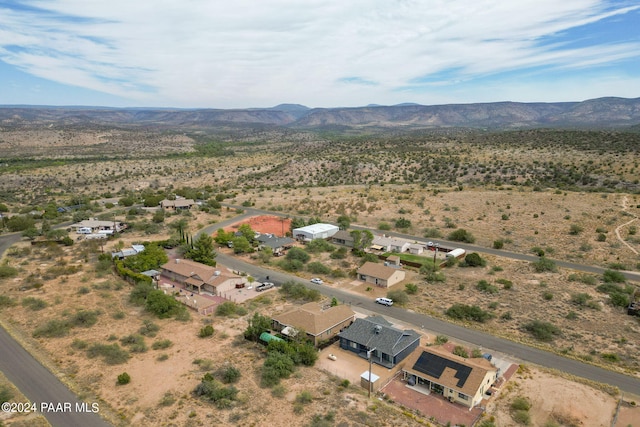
x,y
508,190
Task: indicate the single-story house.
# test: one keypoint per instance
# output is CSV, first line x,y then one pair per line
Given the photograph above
x,y
97,225
122,254
415,248
277,244
178,204
389,244
380,275
314,231
458,379
201,278
318,323
388,345
344,238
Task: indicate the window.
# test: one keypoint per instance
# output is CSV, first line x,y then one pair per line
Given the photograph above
x,y
354,344
463,396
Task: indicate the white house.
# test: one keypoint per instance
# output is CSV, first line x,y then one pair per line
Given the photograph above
x,y
315,231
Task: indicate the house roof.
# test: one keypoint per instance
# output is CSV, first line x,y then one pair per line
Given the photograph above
x,y
373,333
378,271
343,235
274,242
196,271
94,223
438,365
388,241
315,228
178,203
313,319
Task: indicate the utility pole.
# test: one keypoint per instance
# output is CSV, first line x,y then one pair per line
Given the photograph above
x,y
435,254
369,357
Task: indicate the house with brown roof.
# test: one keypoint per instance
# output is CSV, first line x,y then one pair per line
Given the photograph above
x,y
201,278
458,379
177,205
318,323
380,275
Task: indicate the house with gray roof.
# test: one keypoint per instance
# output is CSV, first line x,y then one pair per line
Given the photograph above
x,y
388,345
344,238
277,244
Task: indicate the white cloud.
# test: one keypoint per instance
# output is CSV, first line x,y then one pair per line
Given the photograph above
x,y
203,53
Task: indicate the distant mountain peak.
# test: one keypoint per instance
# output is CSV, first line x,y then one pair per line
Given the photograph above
x,y
290,107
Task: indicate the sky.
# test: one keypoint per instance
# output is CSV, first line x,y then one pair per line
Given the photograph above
x,y
318,53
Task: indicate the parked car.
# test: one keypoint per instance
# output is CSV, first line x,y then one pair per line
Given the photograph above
x,y
317,281
384,301
264,286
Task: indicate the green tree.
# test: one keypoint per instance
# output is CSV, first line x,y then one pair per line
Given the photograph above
x,y
461,235
344,222
399,297
241,245
361,239
158,216
403,223
162,305
20,223
297,254
223,237
202,250
151,258
257,325
247,232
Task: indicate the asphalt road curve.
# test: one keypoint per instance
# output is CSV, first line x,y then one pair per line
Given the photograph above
x,y
46,394
480,339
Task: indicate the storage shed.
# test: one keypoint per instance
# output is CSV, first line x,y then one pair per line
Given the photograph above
x,y
315,231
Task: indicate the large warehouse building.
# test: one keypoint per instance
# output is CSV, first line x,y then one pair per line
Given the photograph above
x,y
314,231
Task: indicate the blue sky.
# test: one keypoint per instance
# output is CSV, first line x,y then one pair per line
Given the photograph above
x,y
319,53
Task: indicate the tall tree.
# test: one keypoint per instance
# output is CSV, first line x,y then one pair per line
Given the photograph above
x,y
202,250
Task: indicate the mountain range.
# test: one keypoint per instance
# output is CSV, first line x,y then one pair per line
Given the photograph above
x,y
595,113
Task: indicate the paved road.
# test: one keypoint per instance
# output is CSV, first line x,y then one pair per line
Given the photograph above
x,y
480,339
38,384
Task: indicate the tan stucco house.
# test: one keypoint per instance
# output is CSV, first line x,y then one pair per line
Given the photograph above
x,y
319,323
178,204
458,379
201,278
380,275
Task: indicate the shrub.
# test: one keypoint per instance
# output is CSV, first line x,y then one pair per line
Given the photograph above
x,y
319,245
52,329
520,404
163,306
461,235
473,260
498,244
543,265
441,339
399,297
123,379
543,331
460,351
112,354
215,392
507,316
507,284
467,312
411,289
295,290
611,276
7,272
148,329
318,268
575,229
484,286
85,318
276,367
402,223
135,342
522,417
34,304
161,344
304,397
229,374
207,331
297,254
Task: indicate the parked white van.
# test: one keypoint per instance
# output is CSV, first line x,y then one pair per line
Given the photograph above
x,y
384,301
84,230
